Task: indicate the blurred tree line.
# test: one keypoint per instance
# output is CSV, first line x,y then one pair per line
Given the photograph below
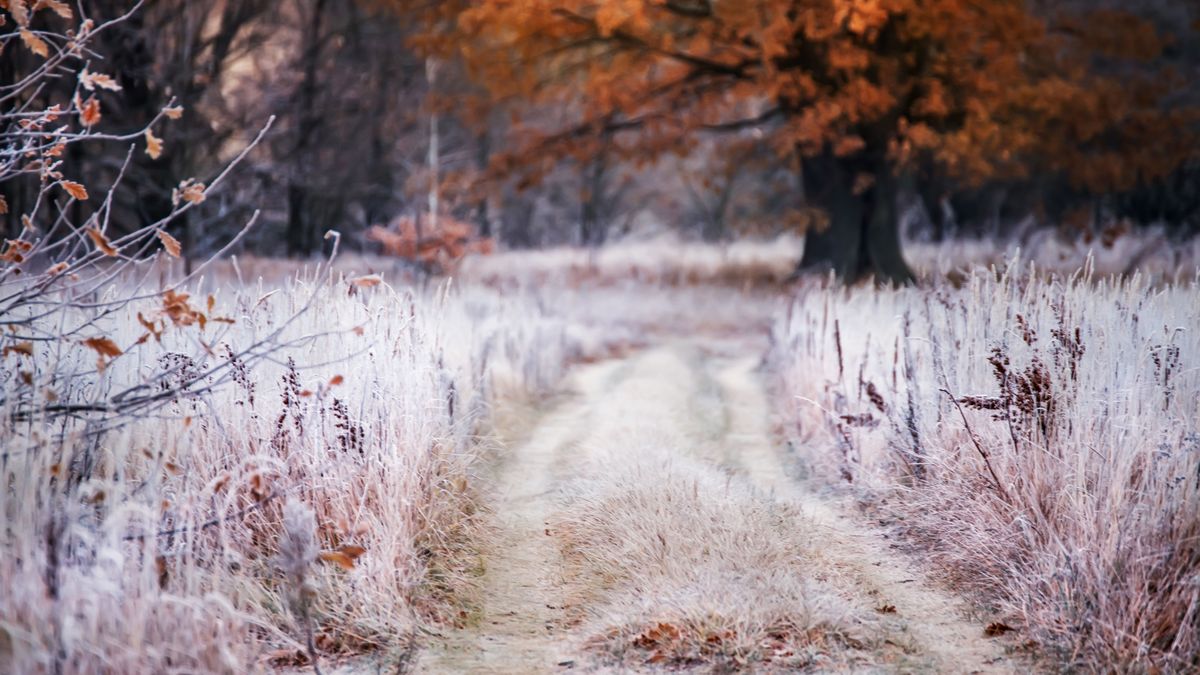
x,y
350,83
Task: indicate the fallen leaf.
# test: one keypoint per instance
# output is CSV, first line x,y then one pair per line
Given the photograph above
x,y
367,281
351,551
338,558
997,628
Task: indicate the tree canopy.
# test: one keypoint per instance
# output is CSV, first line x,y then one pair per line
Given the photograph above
x,y
855,95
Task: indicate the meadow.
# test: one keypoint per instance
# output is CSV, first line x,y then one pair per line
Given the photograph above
x,y
1028,435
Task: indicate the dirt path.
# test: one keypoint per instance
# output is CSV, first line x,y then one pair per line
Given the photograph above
x,y
930,627
708,399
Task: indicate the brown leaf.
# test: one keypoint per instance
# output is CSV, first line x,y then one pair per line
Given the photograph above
x,y
89,112
338,558
189,191
336,380
154,145
351,551
173,112
367,281
103,346
58,268
170,244
19,12
24,348
3,205
34,43
997,628
92,80
102,242
74,189
886,609
15,250
57,6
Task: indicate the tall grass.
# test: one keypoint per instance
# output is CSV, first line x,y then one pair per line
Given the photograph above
x,y
1040,435
155,547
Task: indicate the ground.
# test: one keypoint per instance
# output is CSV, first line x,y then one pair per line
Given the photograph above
x,y
542,608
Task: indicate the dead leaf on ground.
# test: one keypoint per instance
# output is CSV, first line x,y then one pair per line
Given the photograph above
x,y
997,628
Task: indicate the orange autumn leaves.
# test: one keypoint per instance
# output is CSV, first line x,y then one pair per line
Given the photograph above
x,y
984,90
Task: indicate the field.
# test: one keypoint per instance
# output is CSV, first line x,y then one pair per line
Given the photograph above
x,y
613,465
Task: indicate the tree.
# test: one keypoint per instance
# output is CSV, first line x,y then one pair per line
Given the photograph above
x,y
854,93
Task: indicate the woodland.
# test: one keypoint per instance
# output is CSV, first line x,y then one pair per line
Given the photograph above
x,y
536,336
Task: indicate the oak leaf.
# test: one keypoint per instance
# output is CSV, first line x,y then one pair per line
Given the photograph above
x,y
25,348
170,244
102,242
34,43
103,346
57,6
91,80
76,190
89,112
154,145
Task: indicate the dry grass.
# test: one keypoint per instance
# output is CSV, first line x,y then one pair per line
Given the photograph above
x,y
1040,436
1116,251
156,548
664,261
676,561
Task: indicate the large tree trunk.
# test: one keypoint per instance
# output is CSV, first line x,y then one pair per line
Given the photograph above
x,y
863,236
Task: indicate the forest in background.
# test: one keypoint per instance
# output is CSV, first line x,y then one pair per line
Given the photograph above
x,y
567,121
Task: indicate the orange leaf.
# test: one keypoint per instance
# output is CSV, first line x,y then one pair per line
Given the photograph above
x,y
154,145
74,189
101,242
351,551
3,205
34,43
174,112
19,11
337,379
89,112
25,348
92,80
58,268
338,558
367,281
103,346
189,191
57,6
170,244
